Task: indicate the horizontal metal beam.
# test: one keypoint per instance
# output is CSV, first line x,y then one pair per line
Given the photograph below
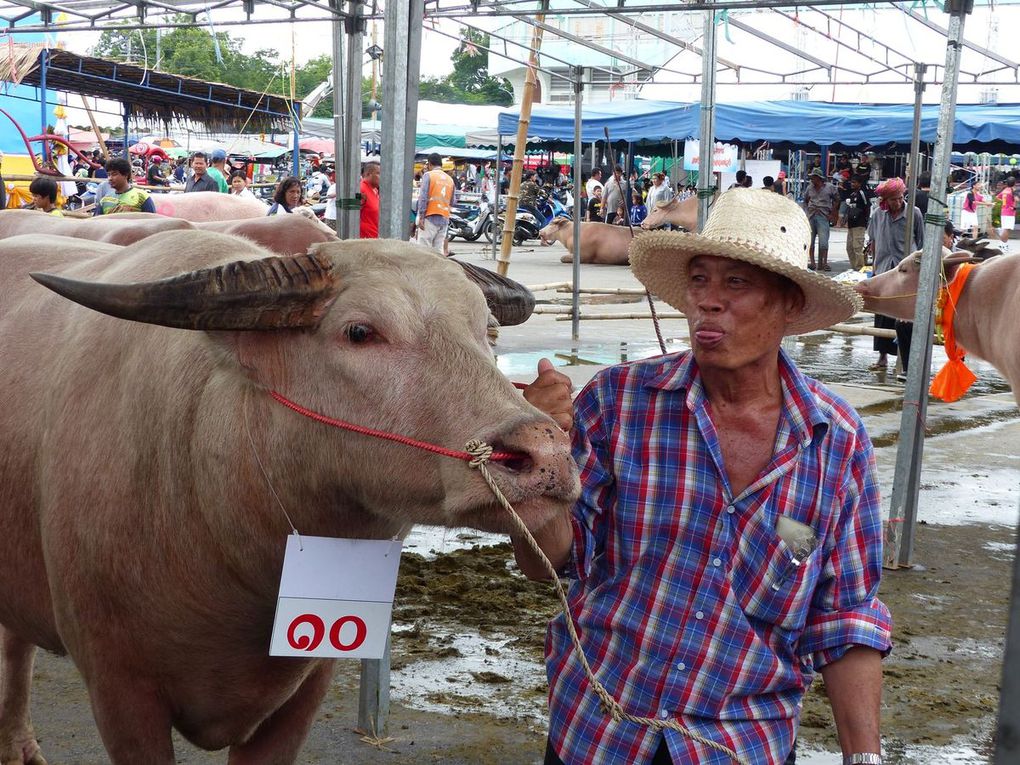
x,y
966,44
779,44
672,39
527,19
492,9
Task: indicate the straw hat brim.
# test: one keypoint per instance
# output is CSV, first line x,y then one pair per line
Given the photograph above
x,y
659,259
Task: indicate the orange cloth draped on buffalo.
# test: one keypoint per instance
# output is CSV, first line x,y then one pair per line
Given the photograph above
x,y
954,378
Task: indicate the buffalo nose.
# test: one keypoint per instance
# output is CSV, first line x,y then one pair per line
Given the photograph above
x,y
542,463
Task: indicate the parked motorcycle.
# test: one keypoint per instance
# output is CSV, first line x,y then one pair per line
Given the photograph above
x,y
468,222
525,227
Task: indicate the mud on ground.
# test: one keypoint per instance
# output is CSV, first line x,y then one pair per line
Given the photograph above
x,y
941,681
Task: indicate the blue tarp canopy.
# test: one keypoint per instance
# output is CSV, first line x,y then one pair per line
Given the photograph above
x,y
456,153
993,128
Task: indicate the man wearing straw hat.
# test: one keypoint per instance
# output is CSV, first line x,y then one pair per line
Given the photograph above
x,y
727,542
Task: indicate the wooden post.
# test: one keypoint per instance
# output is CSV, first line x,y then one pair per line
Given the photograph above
x,y
95,129
503,259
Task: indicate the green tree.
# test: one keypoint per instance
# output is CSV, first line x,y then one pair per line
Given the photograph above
x,y
469,83
471,71
192,51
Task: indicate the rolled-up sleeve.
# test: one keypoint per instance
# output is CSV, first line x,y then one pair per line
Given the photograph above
x,y
845,610
598,486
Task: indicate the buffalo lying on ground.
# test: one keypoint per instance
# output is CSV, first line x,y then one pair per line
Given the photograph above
x,y
601,243
144,465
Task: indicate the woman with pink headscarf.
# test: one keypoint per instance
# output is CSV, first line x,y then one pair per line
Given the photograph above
x,y
886,241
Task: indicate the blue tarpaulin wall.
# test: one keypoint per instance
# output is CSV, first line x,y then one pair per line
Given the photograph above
x,y
994,128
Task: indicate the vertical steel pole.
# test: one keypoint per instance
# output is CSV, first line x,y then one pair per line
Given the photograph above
x,y
575,300
127,117
915,164
494,212
349,209
899,531
706,145
402,53
1007,739
339,135
43,118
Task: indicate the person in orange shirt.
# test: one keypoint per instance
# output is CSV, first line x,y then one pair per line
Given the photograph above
x,y
370,200
434,199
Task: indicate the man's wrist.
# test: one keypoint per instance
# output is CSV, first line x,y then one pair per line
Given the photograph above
x,y
863,758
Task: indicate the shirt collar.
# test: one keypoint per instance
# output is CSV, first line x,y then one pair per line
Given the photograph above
x,y
679,372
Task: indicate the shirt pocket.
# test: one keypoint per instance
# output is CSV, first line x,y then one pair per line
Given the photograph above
x,y
770,584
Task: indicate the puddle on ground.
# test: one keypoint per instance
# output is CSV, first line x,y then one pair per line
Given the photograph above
x,y
827,356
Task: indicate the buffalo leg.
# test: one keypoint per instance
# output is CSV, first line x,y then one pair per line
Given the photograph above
x,y
278,740
17,740
133,721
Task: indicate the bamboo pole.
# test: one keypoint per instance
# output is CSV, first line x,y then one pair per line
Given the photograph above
x,y
607,291
523,121
95,129
562,286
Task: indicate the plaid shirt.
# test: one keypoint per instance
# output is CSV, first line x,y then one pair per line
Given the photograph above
x,y
687,602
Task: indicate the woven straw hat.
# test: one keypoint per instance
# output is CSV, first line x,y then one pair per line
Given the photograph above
x,y
755,226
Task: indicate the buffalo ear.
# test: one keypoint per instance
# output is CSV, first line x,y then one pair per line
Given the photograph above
x,y
952,261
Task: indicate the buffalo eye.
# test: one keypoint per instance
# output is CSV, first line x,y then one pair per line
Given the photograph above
x,y
359,333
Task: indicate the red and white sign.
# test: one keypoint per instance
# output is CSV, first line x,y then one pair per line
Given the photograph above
x,y
336,598
724,159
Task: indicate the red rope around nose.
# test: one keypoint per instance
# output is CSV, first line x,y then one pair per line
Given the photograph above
x,y
466,456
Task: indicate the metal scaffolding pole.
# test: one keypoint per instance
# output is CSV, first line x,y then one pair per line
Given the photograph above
x,y
401,59
706,146
899,532
915,151
575,303
348,166
338,101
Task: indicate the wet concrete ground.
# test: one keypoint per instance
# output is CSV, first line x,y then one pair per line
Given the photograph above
x,y
465,691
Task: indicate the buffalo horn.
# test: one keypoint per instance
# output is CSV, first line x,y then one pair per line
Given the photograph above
x,y
509,301
270,293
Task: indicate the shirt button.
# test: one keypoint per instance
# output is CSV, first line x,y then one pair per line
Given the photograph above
x,y
731,509
716,562
681,666
699,615
664,714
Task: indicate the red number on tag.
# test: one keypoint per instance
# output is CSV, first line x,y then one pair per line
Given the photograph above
x,y
304,642
310,643
359,635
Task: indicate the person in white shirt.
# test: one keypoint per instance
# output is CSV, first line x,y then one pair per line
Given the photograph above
x,y
593,182
659,193
330,214
239,186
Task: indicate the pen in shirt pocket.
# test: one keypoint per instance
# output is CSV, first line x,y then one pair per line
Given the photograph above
x,y
800,539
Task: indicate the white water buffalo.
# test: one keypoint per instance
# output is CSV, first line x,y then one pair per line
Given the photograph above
x,y
601,243
510,302
122,228
674,212
199,206
144,464
985,322
283,234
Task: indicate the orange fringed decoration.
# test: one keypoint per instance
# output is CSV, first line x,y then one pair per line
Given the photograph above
x,y
955,378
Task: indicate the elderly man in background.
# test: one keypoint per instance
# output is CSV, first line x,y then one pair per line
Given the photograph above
x,y
886,243
612,195
727,544
821,202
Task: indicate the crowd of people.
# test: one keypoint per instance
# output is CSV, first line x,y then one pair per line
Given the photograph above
x,y
114,188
